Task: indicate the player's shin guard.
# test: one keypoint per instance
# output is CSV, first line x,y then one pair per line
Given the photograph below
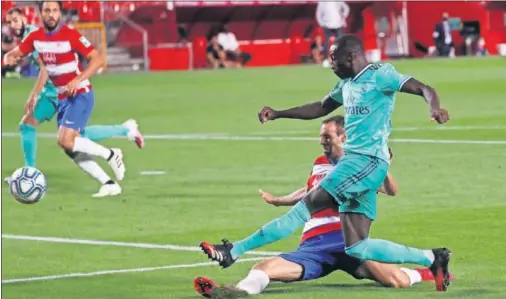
x,y
255,283
97,133
88,165
389,252
275,230
28,143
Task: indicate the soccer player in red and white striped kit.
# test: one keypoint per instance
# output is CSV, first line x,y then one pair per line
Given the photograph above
x,y
58,46
321,249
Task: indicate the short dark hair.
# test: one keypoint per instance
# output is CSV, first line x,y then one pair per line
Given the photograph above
x,y
41,3
15,10
337,119
349,43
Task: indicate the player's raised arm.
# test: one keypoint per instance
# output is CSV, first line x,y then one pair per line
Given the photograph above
x,y
430,95
287,200
388,80
308,111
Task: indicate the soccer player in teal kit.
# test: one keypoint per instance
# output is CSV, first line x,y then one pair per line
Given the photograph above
x,y
367,92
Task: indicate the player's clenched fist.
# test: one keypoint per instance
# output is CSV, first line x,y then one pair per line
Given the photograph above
x,y
440,115
266,114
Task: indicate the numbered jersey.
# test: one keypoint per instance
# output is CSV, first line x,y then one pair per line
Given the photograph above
x,y
327,220
58,51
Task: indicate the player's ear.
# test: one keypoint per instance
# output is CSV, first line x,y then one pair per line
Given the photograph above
x,y
342,136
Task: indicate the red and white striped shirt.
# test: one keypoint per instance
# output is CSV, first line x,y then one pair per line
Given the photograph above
x,y
327,220
58,51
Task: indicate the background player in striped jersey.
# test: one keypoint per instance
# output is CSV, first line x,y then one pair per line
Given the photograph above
x,y
322,248
57,44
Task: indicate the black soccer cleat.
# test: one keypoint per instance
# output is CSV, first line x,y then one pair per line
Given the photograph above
x,y
440,270
219,253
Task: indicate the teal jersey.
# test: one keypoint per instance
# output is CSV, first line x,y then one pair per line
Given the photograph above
x,y
368,101
50,90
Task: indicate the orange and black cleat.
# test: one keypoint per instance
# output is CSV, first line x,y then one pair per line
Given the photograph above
x,y
204,286
440,270
220,253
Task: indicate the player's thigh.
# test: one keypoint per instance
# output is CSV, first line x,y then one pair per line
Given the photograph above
x,y
74,113
318,199
347,263
314,263
354,181
45,109
355,226
354,175
388,275
279,269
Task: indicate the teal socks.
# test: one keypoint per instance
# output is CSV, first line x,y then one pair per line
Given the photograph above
x,y
28,143
389,252
275,230
97,133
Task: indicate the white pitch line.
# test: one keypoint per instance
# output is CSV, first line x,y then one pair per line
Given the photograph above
x,y
120,271
395,129
446,141
280,138
152,172
120,244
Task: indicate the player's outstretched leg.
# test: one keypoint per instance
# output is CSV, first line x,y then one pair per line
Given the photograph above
x,y
130,129
28,134
27,130
91,167
113,156
73,116
273,231
356,230
43,111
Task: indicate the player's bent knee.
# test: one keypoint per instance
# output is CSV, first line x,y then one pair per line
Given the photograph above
x,y
66,142
396,280
29,119
264,265
399,280
357,250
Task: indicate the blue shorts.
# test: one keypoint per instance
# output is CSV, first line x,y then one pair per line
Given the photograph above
x,y
321,255
74,112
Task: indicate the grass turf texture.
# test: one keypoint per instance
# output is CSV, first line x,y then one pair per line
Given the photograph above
x,y
450,194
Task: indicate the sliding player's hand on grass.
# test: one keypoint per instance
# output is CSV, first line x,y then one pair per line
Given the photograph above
x,y
268,198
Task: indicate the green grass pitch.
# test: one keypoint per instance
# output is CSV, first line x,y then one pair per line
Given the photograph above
x,y
451,190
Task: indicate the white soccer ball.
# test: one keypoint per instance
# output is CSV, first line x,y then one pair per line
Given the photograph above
x,y
28,185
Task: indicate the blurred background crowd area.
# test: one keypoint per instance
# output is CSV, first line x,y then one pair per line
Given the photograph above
x,y
186,35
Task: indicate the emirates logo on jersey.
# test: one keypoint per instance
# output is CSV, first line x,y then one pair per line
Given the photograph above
x,y
49,58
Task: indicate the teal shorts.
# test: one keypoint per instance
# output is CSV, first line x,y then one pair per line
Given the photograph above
x,y
46,107
354,183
